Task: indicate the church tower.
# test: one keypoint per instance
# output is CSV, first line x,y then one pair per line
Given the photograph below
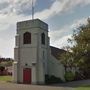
x,y
31,52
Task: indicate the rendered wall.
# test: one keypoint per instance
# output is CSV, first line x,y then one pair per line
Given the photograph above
x,y
56,68
30,55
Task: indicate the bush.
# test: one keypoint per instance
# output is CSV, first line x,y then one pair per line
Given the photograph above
x,y
52,79
69,76
2,68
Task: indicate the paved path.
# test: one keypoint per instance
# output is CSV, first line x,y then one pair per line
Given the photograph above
x,y
74,83
65,86
11,86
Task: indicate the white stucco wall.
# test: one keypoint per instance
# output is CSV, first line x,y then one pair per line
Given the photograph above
x,y
14,71
56,68
31,55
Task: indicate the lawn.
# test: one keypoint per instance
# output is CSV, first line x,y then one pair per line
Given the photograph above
x,y
86,87
6,78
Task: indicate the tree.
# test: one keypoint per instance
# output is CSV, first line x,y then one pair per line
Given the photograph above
x,y
79,54
66,58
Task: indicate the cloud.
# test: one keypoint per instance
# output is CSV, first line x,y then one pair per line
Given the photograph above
x,y
3,5
7,21
15,6
6,47
23,7
59,37
12,11
71,4
60,7
53,10
61,42
78,23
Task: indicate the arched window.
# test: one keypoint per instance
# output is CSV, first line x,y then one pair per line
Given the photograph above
x,y
43,38
27,38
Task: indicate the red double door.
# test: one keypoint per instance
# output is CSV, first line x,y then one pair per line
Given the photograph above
x,y
27,75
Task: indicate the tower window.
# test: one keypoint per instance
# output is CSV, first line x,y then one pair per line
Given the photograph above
x,y
27,38
43,38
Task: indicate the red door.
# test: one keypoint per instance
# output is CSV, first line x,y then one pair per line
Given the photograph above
x,y
27,76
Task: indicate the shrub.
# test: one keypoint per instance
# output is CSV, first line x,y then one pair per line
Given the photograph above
x,y
52,79
69,76
2,68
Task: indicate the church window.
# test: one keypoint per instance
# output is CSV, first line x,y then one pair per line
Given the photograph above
x,y
43,38
27,38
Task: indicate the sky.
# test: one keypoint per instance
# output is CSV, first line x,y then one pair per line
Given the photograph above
x,y
62,16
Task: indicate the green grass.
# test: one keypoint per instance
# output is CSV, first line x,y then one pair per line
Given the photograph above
x,y
86,87
6,78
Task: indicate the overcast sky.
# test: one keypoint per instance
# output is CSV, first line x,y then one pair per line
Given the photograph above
x,y
62,16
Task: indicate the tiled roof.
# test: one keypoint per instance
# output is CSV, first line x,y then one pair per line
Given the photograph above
x,y
56,52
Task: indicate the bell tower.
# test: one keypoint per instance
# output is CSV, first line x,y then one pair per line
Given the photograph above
x,y
31,52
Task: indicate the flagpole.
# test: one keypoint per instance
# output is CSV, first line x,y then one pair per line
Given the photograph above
x,y
32,10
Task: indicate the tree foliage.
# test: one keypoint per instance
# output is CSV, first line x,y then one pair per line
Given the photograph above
x,y
79,54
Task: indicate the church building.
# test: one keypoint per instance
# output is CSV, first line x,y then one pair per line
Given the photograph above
x,y
34,57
